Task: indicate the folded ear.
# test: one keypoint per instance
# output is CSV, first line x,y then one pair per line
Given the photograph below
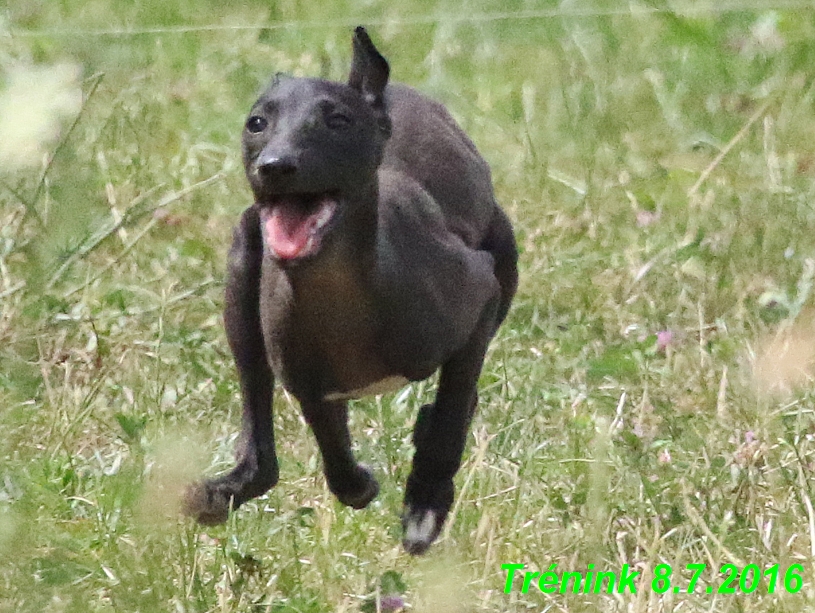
x,y
369,70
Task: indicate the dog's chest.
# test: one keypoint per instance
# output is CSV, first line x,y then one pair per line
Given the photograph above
x,y
324,341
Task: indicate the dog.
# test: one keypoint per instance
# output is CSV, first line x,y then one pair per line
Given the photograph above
x,y
374,255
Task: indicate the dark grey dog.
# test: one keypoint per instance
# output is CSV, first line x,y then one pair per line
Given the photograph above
x,y
374,254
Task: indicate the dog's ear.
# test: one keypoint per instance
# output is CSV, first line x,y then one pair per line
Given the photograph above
x,y
369,70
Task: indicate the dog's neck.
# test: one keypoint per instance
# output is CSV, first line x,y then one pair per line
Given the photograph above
x,y
350,252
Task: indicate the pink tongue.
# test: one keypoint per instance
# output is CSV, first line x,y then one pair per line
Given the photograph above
x,y
289,228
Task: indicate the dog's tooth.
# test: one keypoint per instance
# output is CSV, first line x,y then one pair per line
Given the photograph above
x,y
325,216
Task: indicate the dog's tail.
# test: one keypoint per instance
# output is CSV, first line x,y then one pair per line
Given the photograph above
x,y
500,242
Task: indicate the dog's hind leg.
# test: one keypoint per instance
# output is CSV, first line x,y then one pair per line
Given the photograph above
x,y
256,467
440,435
500,242
353,484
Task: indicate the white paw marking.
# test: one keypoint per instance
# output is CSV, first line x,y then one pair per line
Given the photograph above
x,y
420,532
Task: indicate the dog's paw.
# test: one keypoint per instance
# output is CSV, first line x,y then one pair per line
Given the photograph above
x,y
426,507
360,493
420,527
207,505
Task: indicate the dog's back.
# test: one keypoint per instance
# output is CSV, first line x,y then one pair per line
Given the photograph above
x,y
427,145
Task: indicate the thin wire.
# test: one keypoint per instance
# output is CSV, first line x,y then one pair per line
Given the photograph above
x,y
718,8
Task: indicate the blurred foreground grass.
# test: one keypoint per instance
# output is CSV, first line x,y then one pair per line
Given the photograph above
x,y
648,401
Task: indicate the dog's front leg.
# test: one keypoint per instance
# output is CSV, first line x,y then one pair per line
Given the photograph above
x,y
256,467
353,484
440,435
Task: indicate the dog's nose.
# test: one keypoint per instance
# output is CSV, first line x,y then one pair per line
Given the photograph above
x,y
276,166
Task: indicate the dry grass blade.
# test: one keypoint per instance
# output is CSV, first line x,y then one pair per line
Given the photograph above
x,y
757,114
134,212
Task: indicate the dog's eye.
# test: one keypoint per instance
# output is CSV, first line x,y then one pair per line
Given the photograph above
x,y
256,124
336,121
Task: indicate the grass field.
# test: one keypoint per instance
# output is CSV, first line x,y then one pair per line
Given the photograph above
x,y
648,401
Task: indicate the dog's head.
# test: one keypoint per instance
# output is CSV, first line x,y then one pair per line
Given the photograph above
x,y
310,147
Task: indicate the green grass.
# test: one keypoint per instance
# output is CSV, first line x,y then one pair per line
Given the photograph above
x,y
660,171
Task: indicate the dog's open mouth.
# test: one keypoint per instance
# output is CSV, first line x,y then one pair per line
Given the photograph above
x,y
294,224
